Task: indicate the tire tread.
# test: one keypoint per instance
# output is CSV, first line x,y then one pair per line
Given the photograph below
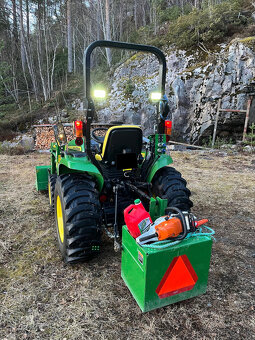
x,y
169,184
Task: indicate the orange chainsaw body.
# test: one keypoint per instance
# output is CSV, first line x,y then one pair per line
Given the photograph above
x,y
168,228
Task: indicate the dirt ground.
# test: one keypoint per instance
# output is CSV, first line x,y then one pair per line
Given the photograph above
x,y
41,298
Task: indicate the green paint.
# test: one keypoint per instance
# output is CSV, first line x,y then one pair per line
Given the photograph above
x,y
69,164
64,164
54,150
163,160
142,279
160,145
72,143
157,207
42,177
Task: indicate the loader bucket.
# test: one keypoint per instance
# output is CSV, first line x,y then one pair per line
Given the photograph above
x,y
42,177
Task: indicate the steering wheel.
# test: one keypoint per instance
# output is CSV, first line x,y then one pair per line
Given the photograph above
x,y
96,138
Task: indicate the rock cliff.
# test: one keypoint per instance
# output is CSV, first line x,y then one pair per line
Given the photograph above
x,y
193,89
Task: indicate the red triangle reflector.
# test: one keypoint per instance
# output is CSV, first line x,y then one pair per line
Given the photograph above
x,y
179,277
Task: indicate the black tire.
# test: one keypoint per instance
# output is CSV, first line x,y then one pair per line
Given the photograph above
x,y
79,238
51,188
168,183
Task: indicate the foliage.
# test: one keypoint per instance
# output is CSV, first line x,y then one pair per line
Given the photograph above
x,y
60,63
250,137
129,87
100,75
208,26
144,34
173,13
249,41
219,142
43,77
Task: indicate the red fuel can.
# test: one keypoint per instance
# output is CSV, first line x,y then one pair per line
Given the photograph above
x,y
136,218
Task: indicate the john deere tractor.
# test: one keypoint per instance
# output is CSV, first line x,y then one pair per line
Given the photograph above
x,y
93,178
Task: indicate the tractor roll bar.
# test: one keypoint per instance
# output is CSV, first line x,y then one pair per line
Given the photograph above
x,y
88,102
128,46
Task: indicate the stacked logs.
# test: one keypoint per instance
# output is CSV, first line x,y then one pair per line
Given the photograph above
x,y
44,135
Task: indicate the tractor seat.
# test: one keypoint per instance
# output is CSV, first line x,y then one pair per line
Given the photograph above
x,y
122,145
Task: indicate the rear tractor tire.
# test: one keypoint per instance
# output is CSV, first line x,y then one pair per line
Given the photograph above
x,y
169,184
78,217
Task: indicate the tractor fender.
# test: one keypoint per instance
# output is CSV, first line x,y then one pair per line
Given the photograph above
x,y
81,164
162,161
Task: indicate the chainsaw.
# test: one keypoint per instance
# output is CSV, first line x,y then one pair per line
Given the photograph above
x,y
175,226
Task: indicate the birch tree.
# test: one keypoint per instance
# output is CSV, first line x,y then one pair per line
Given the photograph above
x,y
69,35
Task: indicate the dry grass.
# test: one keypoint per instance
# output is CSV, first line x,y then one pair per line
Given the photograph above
x,y
43,299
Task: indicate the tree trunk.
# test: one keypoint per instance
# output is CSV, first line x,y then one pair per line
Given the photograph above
x,y
45,25
144,15
23,52
22,40
39,26
121,23
10,92
69,36
98,20
74,53
53,67
27,15
108,31
135,14
15,29
26,58
40,72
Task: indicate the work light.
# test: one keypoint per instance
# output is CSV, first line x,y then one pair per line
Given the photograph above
x,y
99,94
155,96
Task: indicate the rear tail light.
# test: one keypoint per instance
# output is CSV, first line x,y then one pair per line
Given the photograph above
x,y
168,127
79,141
78,128
102,198
78,125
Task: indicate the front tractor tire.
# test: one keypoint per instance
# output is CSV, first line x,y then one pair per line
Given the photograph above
x,y
169,184
78,217
51,188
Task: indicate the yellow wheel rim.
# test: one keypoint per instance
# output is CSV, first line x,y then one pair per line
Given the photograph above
x,y
60,220
49,191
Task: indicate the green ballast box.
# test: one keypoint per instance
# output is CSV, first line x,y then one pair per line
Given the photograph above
x,y
160,277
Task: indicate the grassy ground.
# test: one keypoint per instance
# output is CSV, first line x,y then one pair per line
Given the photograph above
x,y
43,299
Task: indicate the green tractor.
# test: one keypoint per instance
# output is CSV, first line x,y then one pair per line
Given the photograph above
x,y
92,179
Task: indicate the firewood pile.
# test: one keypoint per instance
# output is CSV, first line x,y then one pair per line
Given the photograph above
x,y
44,135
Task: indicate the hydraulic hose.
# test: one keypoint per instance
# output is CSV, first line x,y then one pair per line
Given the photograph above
x,y
170,243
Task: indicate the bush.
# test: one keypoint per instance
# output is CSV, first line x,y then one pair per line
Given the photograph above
x,y
208,26
143,34
129,88
173,13
250,137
